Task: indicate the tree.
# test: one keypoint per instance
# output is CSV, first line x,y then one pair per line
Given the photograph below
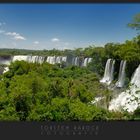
x,y
135,24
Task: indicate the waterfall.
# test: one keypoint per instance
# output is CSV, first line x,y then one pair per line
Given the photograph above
x,y
64,59
48,59
6,69
136,78
89,60
39,59
121,78
112,71
109,70
20,58
75,61
30,59
130,99
58,59
85,62
51,59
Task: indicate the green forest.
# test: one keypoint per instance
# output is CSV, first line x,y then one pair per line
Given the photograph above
x,y
45,92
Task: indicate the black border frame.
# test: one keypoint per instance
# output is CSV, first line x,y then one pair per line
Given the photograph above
x,y
69,1
96,130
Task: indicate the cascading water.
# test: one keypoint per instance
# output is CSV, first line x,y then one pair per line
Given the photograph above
x,y
35,59
130,99
6,60
6,69
40,59
85,62
121,78
48,59
112,71
109,70
64,59
58,59
30,59
75,61
51,59
136,77
20,58
89,60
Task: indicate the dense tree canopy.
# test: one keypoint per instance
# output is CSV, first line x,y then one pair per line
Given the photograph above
x,y
30,91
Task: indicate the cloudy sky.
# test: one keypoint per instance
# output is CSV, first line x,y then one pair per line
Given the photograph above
x,y
62,26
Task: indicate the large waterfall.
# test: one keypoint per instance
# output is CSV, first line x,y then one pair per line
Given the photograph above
x,y
20,57
6,60
40,59
28,58
109,70
76,61
89,60
85,62
35,59
130,99
51,59
121,78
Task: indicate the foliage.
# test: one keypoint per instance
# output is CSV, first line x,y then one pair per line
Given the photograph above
x,y
135,24
43,92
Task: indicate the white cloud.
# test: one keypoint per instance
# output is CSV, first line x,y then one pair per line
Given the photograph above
x,y
12,34
36,42
55,40
15,36
19,37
